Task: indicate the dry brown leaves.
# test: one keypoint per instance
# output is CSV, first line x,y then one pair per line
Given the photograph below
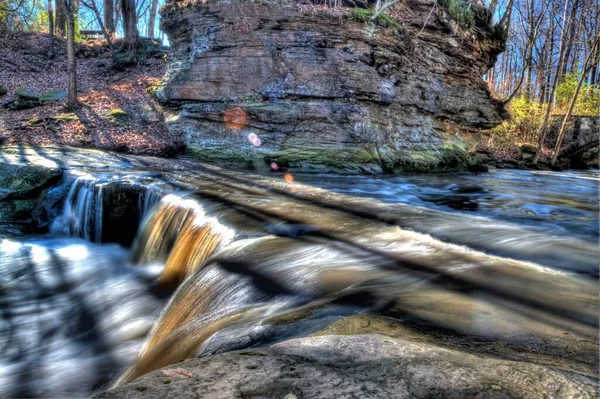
x,y
25,63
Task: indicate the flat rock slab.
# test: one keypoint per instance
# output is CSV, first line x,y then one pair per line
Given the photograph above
x,y
55,157
363,366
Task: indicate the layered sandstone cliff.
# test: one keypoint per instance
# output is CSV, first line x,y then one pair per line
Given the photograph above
x,y
294,85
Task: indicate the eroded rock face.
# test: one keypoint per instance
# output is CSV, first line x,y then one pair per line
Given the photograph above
x,y
323,89
363,366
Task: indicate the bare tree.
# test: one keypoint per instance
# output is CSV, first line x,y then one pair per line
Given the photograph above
x,y
68,10
109,16
60,21
50,19
152,18
131,35
590,60
531,38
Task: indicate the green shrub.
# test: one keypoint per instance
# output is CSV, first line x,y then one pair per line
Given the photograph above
x,y
460,11
366,15
588,101
525,117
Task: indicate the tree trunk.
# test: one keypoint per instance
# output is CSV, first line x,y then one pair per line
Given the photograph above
x,y
131,36
50,19
109,16
563,127
59,24
51,29
569,43
561,59
152,21
71,60
107,35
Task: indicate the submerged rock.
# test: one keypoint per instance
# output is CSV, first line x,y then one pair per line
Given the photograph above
x,y
364,366
307,89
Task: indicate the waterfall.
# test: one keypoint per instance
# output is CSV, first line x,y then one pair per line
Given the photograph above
x,y
101,209
82,211
178,233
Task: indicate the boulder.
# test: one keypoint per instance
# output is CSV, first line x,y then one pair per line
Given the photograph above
x,y
362,366
20,187
327,89
52,95
27,98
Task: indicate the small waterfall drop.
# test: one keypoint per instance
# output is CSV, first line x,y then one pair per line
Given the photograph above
x,y
105,209
179,233
82,211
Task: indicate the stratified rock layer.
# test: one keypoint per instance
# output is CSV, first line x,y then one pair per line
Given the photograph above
x,y
327,89
364,366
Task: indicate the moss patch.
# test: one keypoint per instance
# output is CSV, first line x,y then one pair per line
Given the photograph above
x,y
460,11
117,113
366,15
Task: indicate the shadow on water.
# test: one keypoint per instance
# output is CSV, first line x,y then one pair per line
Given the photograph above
x,y
550,256
398,264
74,321
55,313
236,292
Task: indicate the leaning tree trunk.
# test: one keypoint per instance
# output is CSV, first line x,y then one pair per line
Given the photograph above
x,y
589,61
152,19
131,36
71,61
109,16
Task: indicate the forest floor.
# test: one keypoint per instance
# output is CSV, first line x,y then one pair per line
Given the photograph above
x,y
117,112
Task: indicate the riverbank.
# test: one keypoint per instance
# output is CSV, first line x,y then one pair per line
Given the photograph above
x,y
117,111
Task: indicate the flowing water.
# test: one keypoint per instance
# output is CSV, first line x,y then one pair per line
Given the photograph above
x,y
147,269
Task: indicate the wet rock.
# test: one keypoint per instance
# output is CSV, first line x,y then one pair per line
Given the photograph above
x,y
19,181
479,168
20,187
326,94
364,366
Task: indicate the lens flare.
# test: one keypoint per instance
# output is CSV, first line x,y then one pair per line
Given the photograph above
x,y
235,118
288,178
274,166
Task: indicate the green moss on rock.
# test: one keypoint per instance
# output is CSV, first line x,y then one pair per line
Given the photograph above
x,y
27,93
367,15
52,95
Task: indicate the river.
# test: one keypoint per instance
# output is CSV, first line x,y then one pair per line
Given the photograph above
x,y
205,261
